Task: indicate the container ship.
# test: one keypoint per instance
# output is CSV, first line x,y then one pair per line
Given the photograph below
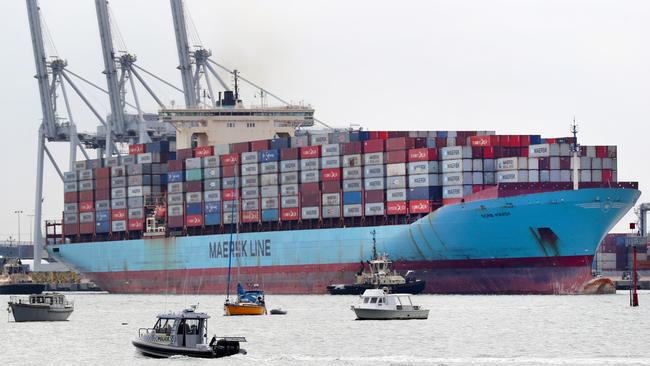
x,y
468,211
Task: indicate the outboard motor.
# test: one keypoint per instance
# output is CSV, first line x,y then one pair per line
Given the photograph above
x,y
227,348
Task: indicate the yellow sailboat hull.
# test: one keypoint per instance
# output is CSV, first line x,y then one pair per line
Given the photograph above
x,y
243,309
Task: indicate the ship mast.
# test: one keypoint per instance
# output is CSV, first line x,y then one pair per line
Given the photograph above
x,y
574,155
374,243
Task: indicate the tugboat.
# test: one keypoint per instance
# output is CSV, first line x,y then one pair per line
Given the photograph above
x,y
15,280
380,276
41,308
379,304
185,334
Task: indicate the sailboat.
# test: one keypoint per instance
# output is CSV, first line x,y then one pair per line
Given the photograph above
x,y
247,302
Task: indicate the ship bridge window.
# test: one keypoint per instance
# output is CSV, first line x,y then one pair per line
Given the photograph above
x,y
373,300
230,124
365,301
250,124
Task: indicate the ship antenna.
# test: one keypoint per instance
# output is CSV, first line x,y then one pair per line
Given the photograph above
x,y
374,243
574,153
235,74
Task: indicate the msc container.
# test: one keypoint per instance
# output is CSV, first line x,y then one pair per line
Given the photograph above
x,y
352,185
289,189
289,201
270,215
309,164
374,209
289,166
351,160
393,195
250,204
395,169
310,213
331,212
249,157
456,166
269,167
374,171
373,158
309,176
269,191
270,203
374,183
512,176
212,196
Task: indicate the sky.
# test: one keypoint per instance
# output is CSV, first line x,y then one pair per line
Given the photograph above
x,y
516,67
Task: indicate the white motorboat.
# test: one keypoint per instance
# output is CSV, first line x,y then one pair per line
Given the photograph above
x,y
41,307
378,304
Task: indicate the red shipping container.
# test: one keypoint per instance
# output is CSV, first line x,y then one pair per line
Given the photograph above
x,y
136,149
70,229
374,196
308,152
182,154
333,186
372,146
419,206
523,152
228,171
565,162
103,173
425,154
118,215
331,174
102,184
524,140
203,151
515,141
87,228
175,165
373,135
488,152
250,216
504,140
290,214
461,141
441,142
398,156
230,194
175,221
601,151
351,148
230,159
104,194
135,225
240,147
484,141
607,175
309,188
393,134
86,206
190,220
195,186
383,135
259,145
86,196
396,208
70,197
310,199
289,153
400,143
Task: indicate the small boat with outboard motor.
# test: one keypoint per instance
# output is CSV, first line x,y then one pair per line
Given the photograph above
x,y
186,334
381,275
40,307
379,304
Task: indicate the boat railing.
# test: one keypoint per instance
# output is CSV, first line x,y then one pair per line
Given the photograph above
x,y
146,332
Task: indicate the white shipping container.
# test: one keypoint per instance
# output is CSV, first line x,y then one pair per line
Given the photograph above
x,y
477,178
330,199
533,163
230,217
175,198
250,169
86,174
554,162
596,163
456,152
512,163
70,218
289,189
539,151
393,195
147,158
269,203
374,171
86,185
329,162
221,149
309,213
269,179
533,176
351,160
352,185
310,164
118,226
70,187
211,185
565,176
175,187
331,211
488,178
138,191
86,217
289,166
300,141
488,165
607,163
477,165
512,176
250,192
249,157
193,163
374,184
565,150
585,176
270,167
70,176
585,162
118,204
211,173
355,210
423,167
373,158
374,209
250,181
456,166
424,180
289,178
269,191
318,139
352,172
396,169
456,191
230,206
212,196
70,208
194,197
396,182
136,213
231,182
309,176
290,201
597,175
456,179
175,210
211,162
331,150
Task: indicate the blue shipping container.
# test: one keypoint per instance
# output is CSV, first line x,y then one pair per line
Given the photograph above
x,y
172,155
442,134
157,147
354,136
270,215
102,215
175,177
279,143
535,139
431,142
364,135
424,193
351,198
269,156
102,226
193,208
212,208
212,219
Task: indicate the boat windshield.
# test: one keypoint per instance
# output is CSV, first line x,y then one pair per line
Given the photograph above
x,y
164,325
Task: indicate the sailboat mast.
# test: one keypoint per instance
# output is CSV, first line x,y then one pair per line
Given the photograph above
x,y
230,244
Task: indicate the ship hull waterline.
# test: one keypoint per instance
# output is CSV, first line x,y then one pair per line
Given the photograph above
x,y
531,244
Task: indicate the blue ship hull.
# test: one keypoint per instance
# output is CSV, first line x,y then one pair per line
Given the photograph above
x,y
535,243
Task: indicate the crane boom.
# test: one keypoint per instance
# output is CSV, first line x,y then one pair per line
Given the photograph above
x,y
183,48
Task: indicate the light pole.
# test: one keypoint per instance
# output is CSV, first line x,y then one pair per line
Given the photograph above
x,y
18,212
31,222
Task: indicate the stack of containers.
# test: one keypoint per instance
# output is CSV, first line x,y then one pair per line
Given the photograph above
x,y
456,167
269,167
118,200
102,200
423,179
230,184
289,180
176,191
336,203
310,192
194,192
211,189
86,200
71,203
